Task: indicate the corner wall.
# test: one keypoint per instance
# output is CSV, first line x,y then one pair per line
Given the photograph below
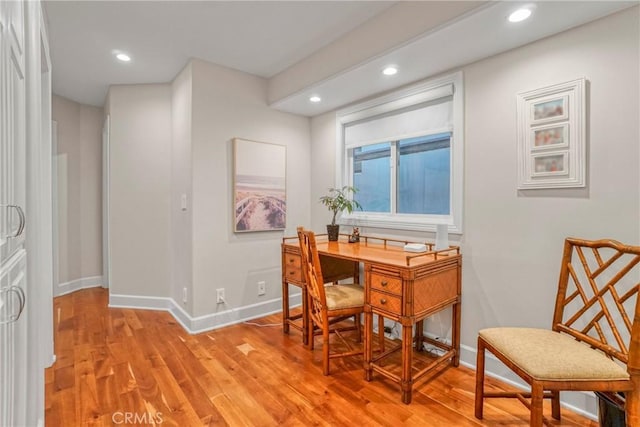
x,y
229,104
176,139
79,197
140,172
181,218
512,241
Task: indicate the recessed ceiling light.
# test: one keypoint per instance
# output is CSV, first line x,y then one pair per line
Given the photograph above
x,y
520,15
315,98
123,57
390,70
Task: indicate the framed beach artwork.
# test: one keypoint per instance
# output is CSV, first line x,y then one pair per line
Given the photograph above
x,y
552,136
259,190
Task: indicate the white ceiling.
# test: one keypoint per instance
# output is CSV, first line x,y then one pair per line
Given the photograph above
x,y
258,37
267,37
481,33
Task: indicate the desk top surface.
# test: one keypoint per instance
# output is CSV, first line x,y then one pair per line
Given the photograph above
x,y
390,254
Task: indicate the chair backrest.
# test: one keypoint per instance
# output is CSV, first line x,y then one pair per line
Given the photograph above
x,y
313,276
597,301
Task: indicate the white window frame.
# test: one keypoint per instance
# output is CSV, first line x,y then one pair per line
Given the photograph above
x,y
407,97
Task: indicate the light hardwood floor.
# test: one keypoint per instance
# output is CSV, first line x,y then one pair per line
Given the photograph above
x,y
118,363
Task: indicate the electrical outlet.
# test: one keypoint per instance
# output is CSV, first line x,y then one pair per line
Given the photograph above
x,y
184,294
262,287
220,296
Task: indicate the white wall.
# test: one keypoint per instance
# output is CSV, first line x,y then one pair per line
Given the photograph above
x,y
228,104
323,167
79,157
512,240
140,147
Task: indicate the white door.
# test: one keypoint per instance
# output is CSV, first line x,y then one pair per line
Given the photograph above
x,y
13,256
13,174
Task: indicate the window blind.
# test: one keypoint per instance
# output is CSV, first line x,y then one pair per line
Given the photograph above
x,y
432,112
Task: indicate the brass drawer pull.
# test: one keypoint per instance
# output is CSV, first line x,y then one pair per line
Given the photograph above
x,y
291,260
291,273
383,301
384,283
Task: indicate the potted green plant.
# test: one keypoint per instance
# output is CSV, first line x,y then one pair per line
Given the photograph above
x,y
337,201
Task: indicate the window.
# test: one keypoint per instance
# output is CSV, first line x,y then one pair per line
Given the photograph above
x,y
403,152
372,178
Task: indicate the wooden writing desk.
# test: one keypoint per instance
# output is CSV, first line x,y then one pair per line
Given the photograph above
x,y
401,286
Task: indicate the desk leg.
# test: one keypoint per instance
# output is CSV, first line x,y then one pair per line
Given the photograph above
x,y
368,337
455,333
285,306
407,355
419,335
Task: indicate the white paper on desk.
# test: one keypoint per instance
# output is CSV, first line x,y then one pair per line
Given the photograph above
x,y
442,237
415,247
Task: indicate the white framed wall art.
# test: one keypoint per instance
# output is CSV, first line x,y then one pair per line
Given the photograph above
x,y
552,136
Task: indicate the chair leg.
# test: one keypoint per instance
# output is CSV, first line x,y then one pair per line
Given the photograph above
x,y
310,336
555,404
305,316
356,320
632,403
537,396
480,379
325,350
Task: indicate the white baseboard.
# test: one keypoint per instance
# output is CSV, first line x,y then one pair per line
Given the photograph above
x,y
235,315
76,285
199,324
140,302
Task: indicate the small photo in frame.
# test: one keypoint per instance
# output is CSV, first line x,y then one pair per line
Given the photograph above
x,y
550,136
550,164
552,109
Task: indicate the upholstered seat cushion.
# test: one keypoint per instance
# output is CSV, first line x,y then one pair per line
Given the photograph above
x,y
548,355
344,296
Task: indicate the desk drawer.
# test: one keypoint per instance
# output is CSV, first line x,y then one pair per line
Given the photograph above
x,y
292,261
293,274
392,285
386,302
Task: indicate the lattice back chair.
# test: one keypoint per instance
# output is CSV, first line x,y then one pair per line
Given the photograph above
x,y
327,305
594,344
